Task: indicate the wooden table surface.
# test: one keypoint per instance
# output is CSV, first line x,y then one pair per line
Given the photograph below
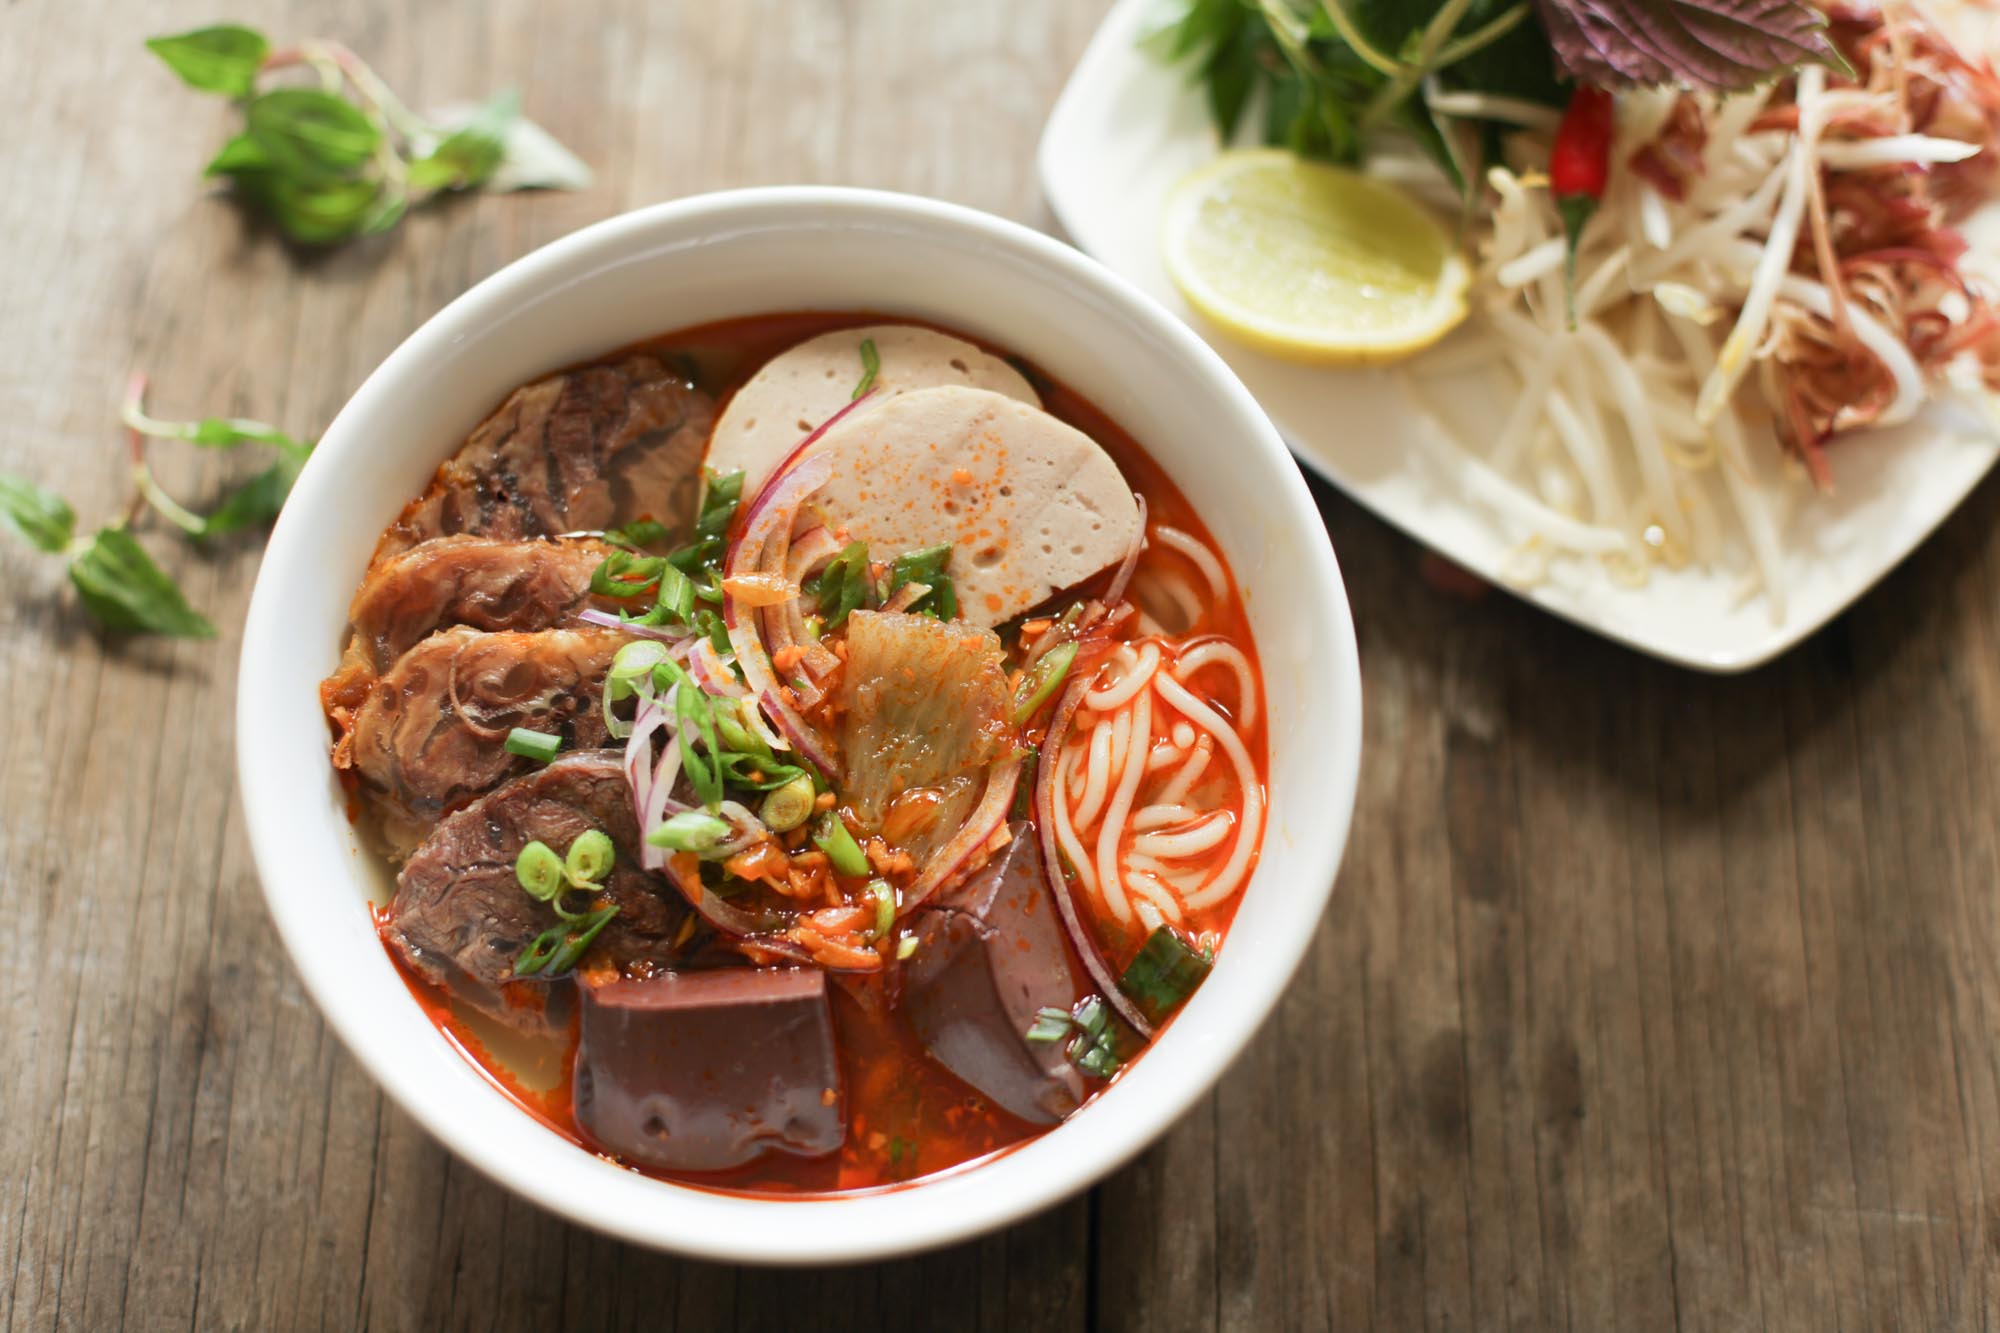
x,y
1647,1000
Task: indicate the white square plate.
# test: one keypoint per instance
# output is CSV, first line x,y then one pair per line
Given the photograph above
x,y
1127,128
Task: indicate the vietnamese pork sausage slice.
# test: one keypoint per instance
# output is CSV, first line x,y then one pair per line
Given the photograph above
x,y
476,581
432,732
575,452
990,954
800,388
1030,504
460,918
702,1071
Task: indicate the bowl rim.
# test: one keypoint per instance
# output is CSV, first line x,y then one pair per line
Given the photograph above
x,y
686,1224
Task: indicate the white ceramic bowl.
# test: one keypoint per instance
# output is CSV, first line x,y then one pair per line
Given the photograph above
x,y
745,253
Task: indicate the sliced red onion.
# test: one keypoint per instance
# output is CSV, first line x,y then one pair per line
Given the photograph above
x,y
660,804
977,830
712,673
774,506
678,638
810,553
1046,796
639,755
1123,577
906,596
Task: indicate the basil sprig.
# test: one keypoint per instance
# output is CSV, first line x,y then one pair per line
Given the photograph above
x,y
348,157
116,581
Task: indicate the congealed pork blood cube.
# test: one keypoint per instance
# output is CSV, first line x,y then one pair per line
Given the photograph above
x,y
702,1071
990,953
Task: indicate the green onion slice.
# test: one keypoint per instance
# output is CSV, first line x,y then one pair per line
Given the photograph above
x,y
533,744
871,365
839,845
1043,680
590,859
690,831
1050,1025
540,871
884,898
1165,972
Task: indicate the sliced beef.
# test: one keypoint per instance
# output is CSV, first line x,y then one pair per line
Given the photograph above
x,y
431,733
990,953
461,918
577,451
476,581
702,1071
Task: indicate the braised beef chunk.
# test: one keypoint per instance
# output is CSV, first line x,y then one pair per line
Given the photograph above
x,y
990,953
489,585
574,452
460,918
702,1071
431,734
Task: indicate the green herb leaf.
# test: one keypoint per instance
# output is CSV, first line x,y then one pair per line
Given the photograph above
x,y
40,518
222,59
256,501
871,365
241,154
122,587
557,950
320,213
311,135
470,155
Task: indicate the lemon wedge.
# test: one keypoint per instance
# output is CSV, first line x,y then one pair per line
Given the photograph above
x,y
1311,262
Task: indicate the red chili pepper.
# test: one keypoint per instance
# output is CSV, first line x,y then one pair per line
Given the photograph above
x,y
1579,167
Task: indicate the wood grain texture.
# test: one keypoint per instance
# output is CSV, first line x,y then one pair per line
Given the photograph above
x,y
1647,1000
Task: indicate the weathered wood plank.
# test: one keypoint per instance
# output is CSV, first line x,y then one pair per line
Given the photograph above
x,y
1647,1000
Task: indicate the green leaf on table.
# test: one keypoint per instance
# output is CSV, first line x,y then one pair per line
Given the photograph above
x,y
239,155
40,518
256,501
309,134
318,213
228,432
470,155
531,157
222,59
122,587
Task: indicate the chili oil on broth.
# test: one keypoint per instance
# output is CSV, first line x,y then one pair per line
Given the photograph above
x,y
908,1117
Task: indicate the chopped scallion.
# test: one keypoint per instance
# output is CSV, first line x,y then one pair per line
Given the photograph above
x,y
540,871
1165,972
839,845
905,947
533,744
1050,1025
590,858
788,806
1047,676
871,365
690,831
884,898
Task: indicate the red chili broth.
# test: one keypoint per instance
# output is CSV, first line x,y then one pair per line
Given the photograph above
x,y
908,1117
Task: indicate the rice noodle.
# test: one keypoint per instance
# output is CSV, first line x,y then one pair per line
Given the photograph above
x,y
1221,652
1206,719
1202,558
1137,672
1110,885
